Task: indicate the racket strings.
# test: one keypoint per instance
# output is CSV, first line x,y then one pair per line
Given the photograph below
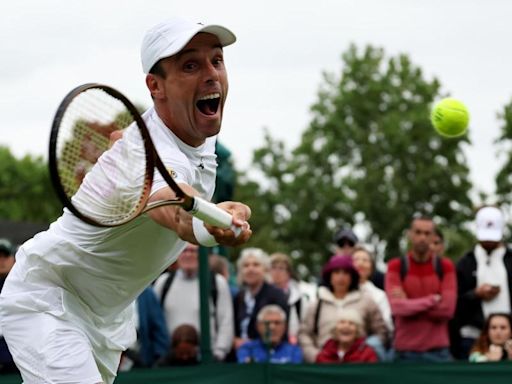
x,y
108,186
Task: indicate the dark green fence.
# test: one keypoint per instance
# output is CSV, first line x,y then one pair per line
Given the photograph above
x,y
448,373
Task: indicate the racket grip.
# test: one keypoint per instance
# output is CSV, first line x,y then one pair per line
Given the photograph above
x,y
211,214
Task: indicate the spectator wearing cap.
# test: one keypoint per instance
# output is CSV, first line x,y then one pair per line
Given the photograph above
x,y
421,288
484,277
347,344
6,260
339,292
345,241
6,263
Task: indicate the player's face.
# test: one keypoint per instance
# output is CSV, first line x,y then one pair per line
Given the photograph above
x,y
420,236
363,264
195,89
499,330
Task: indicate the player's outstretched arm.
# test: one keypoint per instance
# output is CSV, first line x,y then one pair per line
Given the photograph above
x,y
179,221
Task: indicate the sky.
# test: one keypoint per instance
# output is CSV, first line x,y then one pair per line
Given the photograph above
x,y
275,68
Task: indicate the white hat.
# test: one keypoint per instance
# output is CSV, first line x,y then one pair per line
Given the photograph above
x,y
169,37
489,224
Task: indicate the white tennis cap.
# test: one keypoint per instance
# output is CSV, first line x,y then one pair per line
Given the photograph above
x,y
169,37
489,224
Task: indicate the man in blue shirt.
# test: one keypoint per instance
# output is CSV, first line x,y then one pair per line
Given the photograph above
x,y
270,347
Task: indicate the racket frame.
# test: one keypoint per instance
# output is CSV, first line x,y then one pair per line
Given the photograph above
x,y
196,206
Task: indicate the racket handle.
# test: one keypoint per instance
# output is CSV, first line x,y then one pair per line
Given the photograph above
x,y
210,213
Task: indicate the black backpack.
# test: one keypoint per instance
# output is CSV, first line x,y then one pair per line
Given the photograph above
x,y
436,263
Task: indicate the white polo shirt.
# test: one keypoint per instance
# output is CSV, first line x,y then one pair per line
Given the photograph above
x,y
92,274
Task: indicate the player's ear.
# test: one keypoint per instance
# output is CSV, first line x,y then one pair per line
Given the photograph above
x,y
155,86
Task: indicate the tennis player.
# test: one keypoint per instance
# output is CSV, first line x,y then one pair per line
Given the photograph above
x,y
65,307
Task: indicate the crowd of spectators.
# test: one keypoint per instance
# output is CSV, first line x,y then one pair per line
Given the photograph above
x,y
424,307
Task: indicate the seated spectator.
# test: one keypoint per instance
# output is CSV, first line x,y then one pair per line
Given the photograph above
x,y
179,296
283,277
6,263
271,345
255,293
6,260
220,265
152,337
184,347
347,344
365,264
495,341
339,291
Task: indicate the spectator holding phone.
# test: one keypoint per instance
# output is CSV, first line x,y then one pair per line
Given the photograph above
x,y
484,276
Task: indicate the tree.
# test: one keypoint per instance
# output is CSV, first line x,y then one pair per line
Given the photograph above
x,y
369,157
26,193
504,175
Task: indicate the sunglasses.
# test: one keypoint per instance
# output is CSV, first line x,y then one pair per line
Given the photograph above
x,y
344,243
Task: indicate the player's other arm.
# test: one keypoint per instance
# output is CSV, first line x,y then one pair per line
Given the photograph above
x,y
179,221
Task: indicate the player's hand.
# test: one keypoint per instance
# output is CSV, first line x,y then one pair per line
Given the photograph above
x,y
241,214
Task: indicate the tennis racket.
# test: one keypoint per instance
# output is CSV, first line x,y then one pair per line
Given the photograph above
x,y
84,166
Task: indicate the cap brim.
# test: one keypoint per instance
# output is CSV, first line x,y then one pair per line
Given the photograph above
x,y
225,36
489,235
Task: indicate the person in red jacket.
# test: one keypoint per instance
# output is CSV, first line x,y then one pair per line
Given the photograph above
x,y
347,345
422,292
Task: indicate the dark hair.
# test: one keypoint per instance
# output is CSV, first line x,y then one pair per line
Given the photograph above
x,y
185,333
439,233
158,70
421,217
483,342
218,264
354,279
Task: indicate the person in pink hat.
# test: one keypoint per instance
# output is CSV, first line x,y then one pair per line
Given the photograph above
x,y
339,291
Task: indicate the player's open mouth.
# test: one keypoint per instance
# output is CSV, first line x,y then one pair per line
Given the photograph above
x,y
209,104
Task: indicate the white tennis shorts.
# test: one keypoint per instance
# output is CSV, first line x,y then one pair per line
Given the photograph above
x,y
48,349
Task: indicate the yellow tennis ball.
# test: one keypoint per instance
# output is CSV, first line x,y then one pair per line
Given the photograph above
x,y
450,117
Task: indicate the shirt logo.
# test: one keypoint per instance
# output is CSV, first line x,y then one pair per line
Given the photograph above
x,y
172,172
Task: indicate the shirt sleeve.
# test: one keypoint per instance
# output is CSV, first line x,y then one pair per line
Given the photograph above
x,y
403,306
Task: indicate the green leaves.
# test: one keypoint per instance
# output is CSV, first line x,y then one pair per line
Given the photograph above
x,y
369,157
26,193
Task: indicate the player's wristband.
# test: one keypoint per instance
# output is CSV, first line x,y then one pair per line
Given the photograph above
x,y
202,235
